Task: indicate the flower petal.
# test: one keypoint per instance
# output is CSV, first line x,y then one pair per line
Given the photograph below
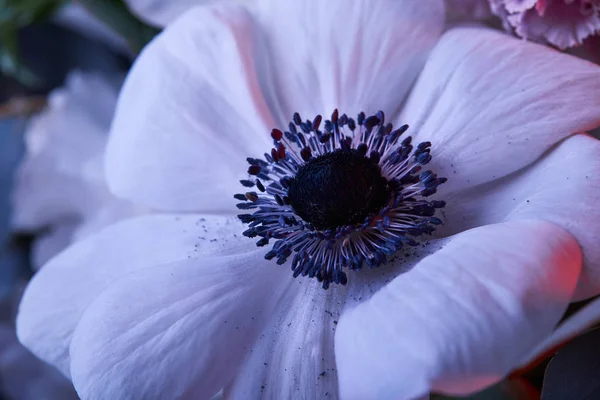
x,y
357,56
491,104
193,107
563,187
463,317
293,357
185,342
59,293
561,24
294,354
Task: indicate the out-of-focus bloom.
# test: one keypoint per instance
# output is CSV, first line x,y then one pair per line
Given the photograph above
x,y
161,12
182,305
60,190
562,23
76,17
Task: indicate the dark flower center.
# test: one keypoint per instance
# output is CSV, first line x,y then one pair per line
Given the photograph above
x,y
338,188
338,194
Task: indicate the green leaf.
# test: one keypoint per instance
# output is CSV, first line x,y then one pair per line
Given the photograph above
x,y
14,15
10,63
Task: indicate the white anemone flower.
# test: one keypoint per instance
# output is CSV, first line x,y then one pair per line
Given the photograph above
x,y
60,191
182,305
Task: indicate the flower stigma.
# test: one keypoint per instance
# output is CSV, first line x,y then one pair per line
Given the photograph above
x,y
339,193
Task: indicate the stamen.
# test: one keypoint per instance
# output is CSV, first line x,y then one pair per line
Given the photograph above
x,y
339,198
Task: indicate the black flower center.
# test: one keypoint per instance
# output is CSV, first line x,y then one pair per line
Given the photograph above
x,y
338,194
338,188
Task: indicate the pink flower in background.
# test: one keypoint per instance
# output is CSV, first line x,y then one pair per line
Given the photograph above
x,y
562,23
182,305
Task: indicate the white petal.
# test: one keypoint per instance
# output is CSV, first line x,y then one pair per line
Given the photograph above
x,y
192,109
161,12
362,55
491,104
175,331
293,357
563,187
57,296
463,317
25,377
584,319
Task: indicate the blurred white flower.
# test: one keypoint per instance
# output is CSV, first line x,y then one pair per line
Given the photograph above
x,y
76,17
60,190
182,305
160,12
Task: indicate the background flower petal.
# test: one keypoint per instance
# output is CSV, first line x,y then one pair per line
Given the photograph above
x,y
362,55
192,109
175,331
492,104
563,187
58,294
161,12
62,175
463,317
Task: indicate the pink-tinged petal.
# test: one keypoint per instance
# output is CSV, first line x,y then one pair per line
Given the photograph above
x,y
193,107
577,323
563,187
462,318
362,55
561,24
58,294
175,331
160,12
492,104
24,377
